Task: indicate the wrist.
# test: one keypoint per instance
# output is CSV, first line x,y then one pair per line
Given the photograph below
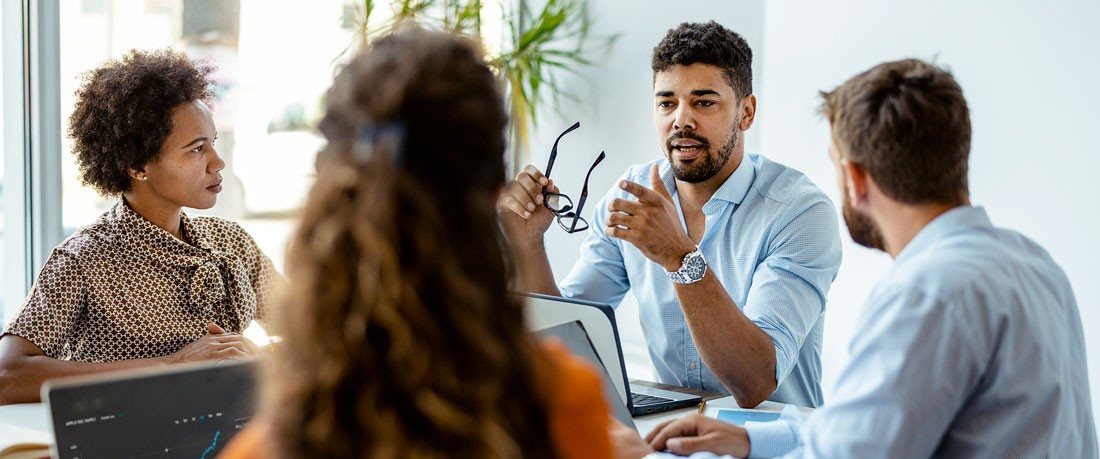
x,y
675,258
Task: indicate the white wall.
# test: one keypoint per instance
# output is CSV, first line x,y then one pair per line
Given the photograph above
x,y
615,107
1029,71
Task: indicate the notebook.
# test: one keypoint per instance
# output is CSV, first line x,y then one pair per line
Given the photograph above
x,y
599,322
575,338
183,411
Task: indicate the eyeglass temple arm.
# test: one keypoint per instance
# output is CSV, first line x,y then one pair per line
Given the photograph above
x,y
554,150
584,190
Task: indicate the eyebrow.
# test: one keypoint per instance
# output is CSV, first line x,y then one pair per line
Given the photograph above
x,y
195,141
697,93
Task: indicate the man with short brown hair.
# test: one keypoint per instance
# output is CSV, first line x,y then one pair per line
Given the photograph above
x,y
972,345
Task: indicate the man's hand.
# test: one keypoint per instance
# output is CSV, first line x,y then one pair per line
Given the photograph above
x,y
696,433
217,344
522,213
651,223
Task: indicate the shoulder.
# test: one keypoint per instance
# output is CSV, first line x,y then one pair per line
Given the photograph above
x,y
783,184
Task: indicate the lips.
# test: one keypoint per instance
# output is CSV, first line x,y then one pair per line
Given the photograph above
x,y
685,146
216,187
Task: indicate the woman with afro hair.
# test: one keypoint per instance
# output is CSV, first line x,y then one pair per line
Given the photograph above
x,y
145,284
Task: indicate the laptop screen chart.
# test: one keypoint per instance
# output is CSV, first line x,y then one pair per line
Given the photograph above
x,y
180,418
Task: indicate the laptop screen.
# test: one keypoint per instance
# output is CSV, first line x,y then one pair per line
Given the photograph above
x,y
187,411
574,337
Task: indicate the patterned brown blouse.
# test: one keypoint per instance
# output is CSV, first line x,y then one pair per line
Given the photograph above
x,y
124,288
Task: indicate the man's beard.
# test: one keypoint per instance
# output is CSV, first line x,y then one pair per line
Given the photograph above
x,y
863,230
705,165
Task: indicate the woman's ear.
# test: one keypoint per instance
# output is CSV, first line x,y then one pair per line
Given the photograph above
x,y
139,175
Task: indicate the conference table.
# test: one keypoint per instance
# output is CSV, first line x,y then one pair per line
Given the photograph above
x,y
31,421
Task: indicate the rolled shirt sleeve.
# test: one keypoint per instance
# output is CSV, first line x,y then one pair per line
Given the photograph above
x,y
788,290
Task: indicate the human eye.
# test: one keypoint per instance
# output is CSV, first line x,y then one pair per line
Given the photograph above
x,y
665,103
199,149
705,103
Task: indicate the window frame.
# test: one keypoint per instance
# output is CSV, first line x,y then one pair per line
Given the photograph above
x,y
32,143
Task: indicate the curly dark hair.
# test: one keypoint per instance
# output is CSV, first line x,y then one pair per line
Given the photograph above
x,y
123,113
709,43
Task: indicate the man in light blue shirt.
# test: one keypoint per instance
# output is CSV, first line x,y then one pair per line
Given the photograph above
x,y
972,344
730,255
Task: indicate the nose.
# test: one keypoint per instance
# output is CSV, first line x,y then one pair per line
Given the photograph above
x,y
217,164
684,118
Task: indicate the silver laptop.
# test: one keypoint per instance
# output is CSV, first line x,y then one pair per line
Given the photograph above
x,y
575,338
183,411
599,322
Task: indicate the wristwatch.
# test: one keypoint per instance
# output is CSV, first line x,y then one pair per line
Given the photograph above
x,y
692,270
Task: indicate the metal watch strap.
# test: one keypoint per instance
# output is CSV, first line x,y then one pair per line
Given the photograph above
x,y
692,269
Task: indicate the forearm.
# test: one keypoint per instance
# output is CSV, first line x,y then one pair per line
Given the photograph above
x,y
534,272
21,377
734,348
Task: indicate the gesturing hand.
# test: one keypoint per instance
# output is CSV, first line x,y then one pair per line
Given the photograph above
x,y
696,433
650,223
217,344
520,207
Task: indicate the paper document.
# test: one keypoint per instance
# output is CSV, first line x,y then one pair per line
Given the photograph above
x,y
739,417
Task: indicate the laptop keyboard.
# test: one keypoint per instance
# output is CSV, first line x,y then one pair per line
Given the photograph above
x,y
643,399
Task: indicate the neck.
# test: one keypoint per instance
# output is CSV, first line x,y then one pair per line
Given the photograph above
x,y
697,194
164,215
900,223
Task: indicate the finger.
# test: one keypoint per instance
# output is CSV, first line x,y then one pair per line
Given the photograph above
x,y
620,233
214,329
230,353
654,431
532,190
713,442
536,174
642,193
629,206
674,429
657,184
620,219
250,346
511,204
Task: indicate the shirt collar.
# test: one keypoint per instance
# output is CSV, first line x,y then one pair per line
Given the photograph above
x,y
150,232
954,220
733,190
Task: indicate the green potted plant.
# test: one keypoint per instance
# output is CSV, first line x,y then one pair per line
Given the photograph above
x,y
534,48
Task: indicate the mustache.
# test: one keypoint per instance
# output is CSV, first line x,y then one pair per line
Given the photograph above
x,y
703,142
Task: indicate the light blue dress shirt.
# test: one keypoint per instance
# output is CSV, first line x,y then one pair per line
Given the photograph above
x,y
970,347
773,241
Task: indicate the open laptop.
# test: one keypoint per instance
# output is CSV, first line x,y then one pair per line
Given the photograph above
x,y
184,411
575,338
599,322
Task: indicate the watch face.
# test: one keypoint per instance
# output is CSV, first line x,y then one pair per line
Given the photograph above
x,y
695,267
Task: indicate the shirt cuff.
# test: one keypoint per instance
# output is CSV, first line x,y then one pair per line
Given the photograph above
x,y
774,438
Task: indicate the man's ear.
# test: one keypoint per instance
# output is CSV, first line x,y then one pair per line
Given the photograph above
x,y
857,180
748,111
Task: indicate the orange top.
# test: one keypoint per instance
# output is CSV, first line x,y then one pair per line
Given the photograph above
x,y
579,417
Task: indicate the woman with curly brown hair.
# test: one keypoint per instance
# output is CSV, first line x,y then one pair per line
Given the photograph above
x,y
145,284
402,339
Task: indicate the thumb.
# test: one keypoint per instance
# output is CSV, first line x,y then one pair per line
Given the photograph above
x,y
213,329
657,184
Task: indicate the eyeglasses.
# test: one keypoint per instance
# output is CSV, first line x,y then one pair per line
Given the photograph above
x,y
561,205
